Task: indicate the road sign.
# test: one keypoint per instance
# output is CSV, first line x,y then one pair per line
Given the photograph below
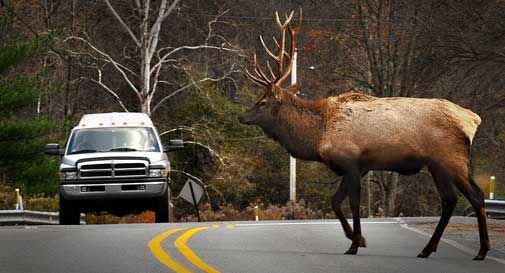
x,y
186,192
192,192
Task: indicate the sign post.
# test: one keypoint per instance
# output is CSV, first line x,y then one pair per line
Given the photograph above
x,y
192,192
194,202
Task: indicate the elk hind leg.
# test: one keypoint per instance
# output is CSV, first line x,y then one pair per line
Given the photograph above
x,y
449,199
466,184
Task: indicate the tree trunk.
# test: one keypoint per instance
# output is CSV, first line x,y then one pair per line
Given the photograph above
x,y
390,181
370,192
144,106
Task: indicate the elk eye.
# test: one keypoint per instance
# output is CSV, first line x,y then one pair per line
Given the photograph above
x,y
261,103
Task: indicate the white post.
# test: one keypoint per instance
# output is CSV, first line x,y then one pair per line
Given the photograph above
x,y
16,194
492,186
292,160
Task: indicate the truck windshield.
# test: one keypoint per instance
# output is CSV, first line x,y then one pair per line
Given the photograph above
x,y
124,139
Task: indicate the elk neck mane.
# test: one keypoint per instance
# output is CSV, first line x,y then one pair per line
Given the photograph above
x,y
300,122
353,96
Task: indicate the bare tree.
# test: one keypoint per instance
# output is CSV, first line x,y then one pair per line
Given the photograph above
x,y
145,76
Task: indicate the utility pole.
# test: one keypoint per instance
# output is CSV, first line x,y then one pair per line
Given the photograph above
x,y
369,193
292,160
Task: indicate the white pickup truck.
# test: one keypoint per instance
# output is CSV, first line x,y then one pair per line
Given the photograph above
x,y
114,162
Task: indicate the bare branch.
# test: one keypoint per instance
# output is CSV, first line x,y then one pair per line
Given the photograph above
x,y
184,88
114,94
189,175
177,49
114,63
155,29
170,9
256,138
213,21
212,152
137,2
180,128
73,53
175,93
123,24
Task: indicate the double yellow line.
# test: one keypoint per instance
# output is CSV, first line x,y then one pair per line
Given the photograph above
x,y
181,244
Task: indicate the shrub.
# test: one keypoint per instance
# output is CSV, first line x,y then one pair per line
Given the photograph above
x,y
291,211
40,202
144,217
6,197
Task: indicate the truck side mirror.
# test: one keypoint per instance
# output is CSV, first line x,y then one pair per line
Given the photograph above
x,y
53,149
174,145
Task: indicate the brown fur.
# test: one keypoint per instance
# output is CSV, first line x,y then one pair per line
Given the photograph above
x,y
353,96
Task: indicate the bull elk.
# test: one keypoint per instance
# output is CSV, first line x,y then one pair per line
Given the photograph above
x,y
355,133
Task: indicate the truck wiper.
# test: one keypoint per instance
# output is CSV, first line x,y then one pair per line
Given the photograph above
x,y
123,149
84,151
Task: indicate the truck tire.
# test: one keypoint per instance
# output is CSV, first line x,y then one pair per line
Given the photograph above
x,y
69,213
161,208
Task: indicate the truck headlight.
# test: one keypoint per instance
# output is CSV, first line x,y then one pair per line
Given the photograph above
x,y
68,175
158,172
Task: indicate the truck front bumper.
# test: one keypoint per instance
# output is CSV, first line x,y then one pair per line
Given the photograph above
x,y
113,190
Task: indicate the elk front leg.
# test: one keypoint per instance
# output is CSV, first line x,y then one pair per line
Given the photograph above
x,y
449,200
337,199
353,179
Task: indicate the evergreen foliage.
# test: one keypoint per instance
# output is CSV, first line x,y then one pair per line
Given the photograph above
x,y
22,132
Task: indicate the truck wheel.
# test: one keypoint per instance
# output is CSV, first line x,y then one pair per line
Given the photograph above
x,y
161,208
69,213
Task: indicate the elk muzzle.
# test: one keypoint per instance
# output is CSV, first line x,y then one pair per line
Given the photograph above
x,y
244,119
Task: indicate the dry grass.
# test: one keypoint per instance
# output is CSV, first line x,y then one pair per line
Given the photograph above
x,y
6,197
290,211
494,229
144,217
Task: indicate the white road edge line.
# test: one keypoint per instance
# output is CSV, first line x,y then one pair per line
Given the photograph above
x,y
307,223
449,242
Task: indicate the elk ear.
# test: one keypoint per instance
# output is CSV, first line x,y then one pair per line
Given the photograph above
x,y
292,89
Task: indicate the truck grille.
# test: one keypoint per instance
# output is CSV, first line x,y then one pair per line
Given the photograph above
x,y
112,170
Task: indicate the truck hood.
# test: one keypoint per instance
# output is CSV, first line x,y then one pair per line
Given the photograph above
x,y
153,157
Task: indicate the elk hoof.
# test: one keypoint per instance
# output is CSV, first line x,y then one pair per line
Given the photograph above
x,y
423,254
481,256
362,242
352,251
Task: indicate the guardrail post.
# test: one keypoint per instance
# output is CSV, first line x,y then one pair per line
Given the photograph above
x,y
19,200
492,186
256,210
16,199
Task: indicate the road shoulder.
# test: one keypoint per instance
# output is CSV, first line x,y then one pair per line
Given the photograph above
x,y
463,231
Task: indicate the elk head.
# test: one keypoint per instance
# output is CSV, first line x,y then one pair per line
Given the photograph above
x,y
264,112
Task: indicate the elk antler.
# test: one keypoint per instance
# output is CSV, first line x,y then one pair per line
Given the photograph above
x,y
282,73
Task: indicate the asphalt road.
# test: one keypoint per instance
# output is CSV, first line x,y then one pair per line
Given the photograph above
x,y
300,246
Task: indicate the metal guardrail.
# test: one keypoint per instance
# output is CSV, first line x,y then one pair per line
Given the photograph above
x,y
28,217
494,209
